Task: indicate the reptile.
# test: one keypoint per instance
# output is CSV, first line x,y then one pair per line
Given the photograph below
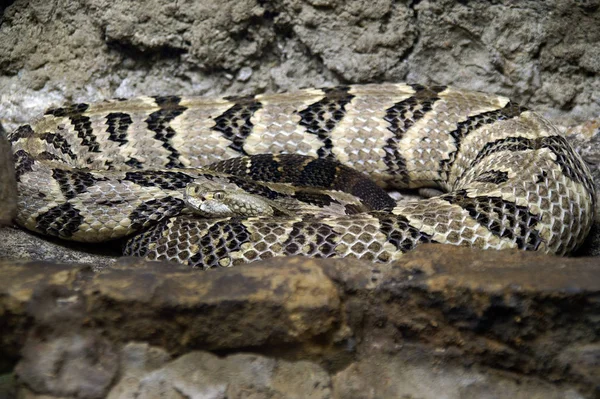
x,y
308,170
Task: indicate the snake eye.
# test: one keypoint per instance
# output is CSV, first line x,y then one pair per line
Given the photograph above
x,y
218,195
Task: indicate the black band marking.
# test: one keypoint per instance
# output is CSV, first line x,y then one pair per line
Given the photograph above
x,y
324,173
22,132
266,167
61,221
60,143
23,163
400,233
318,173
118,123
301,241
158,122
134,163
254,187
401,117
73,109
153,211
48,156
472,123
73,182
321,118
222,238
503,218
565,155
81,123
492,176
314,198
512,144
166,180
137,245
567,158
305,171
83,126
234,124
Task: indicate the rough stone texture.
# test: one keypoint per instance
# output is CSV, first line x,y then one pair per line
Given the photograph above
x,y
8,185
242,307
79,365
586,139
8,386
137,360
204,375
23,245
417,374
513,312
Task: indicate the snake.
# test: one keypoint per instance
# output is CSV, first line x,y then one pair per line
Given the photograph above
x,y
310,169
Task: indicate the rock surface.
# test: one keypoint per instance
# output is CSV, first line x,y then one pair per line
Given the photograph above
x,y
8,185
202,374
440,314
443,322
20,244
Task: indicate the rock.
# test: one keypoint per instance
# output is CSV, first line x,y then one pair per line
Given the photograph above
x,y
420,375
76,365
136,361
8,184
277,303
204,375
8,386
140,357
25,246
523,313
583,360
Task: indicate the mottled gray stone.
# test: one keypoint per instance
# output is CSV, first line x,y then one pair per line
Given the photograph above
x,y
19,244
419,375
136,361
583,360
8,185
204,375
79,365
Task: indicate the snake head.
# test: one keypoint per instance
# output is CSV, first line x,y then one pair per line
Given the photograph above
x,y
217,200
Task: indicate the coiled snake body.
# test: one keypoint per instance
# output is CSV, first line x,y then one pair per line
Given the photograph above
x,y
119,169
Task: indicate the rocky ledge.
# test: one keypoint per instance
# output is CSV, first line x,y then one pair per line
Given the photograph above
x,y
444,321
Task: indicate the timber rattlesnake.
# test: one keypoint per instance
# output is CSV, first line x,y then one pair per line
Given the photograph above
x,y
95,172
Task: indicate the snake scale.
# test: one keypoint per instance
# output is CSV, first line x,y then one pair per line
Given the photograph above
x,y
119,169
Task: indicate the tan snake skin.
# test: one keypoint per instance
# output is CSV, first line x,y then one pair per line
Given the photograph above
x,y
95,172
